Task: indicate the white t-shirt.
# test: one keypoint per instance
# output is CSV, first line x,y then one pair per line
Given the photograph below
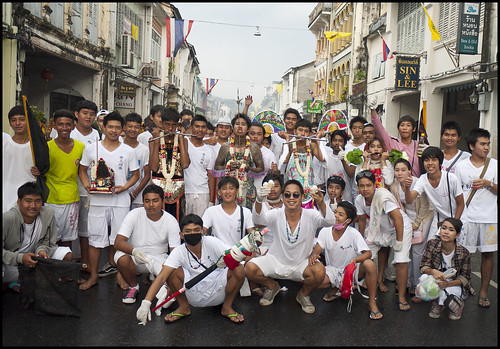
x,y
268,237
411,209
196,176
439,196
144,138
339,253
121,160
88,139
484,204
349,146
386,227
334,167
276,145
17,162
149,236
268,157
142,153
318,166
211,249
446,163
227,227
286,251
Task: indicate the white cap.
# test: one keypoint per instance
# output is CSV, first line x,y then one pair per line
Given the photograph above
x,y
102,112
224,120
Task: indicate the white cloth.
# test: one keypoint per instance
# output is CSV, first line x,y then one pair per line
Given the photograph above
x,y
354,186
446,163
483,207
319,167
339,253
349,146
277,145
439,196
16,161
225,226
144,137
196,175
142,153
121,160
88,139
285,251
149,236
268,157
334,167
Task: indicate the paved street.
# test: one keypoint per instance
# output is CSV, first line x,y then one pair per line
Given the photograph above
x,y
106,321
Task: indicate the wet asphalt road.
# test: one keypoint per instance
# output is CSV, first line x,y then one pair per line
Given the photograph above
x,y
106,321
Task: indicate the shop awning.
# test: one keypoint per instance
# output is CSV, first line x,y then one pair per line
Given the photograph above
x,y
465,86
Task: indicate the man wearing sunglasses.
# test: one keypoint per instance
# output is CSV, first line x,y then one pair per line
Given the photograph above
x,y
294,230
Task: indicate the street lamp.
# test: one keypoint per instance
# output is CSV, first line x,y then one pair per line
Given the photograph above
x,y
473,97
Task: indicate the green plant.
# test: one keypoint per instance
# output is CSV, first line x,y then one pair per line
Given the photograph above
x,y
343,95
360,75
39,114
171,67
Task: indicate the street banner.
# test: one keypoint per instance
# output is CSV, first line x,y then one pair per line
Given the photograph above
x,y
468,28
407,73
314,107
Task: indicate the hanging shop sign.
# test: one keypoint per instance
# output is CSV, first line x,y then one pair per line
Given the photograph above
x,y
468,28
314,107
126,89
407,73
124,101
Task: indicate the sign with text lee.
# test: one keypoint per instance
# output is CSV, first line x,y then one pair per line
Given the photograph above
x,y
407,73
124,101
468,28
314,107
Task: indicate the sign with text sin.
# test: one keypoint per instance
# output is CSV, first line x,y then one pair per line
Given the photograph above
x,y
468,28
407,73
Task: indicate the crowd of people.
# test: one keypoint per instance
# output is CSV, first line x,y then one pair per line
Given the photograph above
x,y
168,195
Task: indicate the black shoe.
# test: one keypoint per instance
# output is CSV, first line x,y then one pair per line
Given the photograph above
x,y
107,270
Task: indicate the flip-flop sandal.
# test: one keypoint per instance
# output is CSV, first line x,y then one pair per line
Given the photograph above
x,y
179,316
479,304
235,315
327,297
373,315
404,305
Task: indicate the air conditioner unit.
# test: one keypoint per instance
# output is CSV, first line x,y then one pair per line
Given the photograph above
x,y
147,70
127,58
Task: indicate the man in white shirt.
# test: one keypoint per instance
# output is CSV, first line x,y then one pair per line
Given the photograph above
x,y
450,135
256,134
481,195
146,236
107,209
358,140
198,179
288,257
152,125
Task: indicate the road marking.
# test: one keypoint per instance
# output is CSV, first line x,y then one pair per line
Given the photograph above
x,y
492,283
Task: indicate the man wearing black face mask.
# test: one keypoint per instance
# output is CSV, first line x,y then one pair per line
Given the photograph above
x,y
185,262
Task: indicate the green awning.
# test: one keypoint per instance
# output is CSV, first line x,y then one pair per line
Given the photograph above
x,y
465,86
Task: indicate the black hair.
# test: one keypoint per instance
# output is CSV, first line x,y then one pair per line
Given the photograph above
x,y
155,109
451,125
17,110
404,161
357,119
113,116
336,180
227,179
304,123
293,181
85,104
274,177
340,133
63,113
433,152
474,134
378,139
170,114
241,116
258,124
187,112
29,188
210,126
350,210
190,219
199,117
153,188
133,117
408,118
292,111
269,139
365,174
457,223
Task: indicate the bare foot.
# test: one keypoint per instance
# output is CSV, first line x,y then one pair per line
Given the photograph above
x,y
382,287
92,281
121,282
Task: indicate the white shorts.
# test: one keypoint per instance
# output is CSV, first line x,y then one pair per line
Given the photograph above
x,y
210,291
83,215
197,203
144,268
402,256
274,269
66,217
99,219
336,275
482,236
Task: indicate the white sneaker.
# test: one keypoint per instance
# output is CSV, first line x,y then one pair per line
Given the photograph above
x,y
268,297
306,304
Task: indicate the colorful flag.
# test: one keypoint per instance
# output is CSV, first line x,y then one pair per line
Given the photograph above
x,y
135,32
332,92
334,35
313,102
211,84
386,52
434,31
39,149
177,32
422,133
278,88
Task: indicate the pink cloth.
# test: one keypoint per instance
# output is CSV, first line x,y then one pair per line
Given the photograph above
x,y
392,142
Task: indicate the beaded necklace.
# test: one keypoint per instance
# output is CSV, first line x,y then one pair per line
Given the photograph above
x,y
173,164
240,174
292,238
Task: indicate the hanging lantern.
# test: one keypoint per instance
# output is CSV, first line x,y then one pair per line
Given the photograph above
x,y
46,74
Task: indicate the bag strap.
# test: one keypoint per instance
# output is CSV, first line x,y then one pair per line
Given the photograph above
x,y
453,163
242,220
449,192
486,163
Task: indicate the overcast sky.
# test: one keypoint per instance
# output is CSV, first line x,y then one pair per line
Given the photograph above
x,y
232,54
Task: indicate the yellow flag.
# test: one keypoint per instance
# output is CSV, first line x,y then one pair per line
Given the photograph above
x,y
434,31
278,88
334,35
332,92
135,32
